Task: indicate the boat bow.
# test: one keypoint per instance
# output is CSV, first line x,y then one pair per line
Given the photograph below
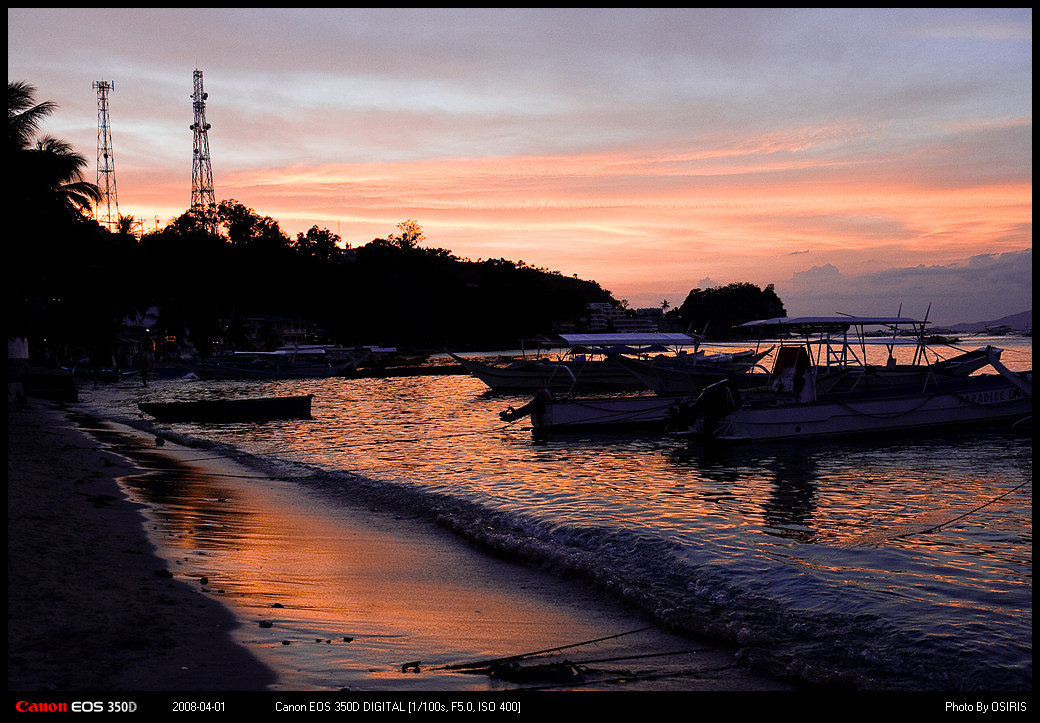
x,y
1022,381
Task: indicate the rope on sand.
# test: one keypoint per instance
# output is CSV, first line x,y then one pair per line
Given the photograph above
x,y
492,662
522,656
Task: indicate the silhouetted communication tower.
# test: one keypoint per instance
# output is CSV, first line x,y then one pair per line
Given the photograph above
x,y
106,164
203,200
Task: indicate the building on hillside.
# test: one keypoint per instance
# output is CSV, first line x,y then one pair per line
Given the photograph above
x,y
264,333
603,317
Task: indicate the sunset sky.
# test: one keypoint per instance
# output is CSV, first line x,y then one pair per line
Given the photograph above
x,y
859,160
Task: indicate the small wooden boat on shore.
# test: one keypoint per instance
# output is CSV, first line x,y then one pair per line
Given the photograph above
x,y
261,409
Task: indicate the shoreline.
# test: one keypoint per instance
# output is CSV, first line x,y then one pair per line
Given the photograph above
x,y
90,602
84,585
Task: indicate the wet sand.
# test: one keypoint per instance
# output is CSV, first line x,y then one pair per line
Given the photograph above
x,y
203,576
90,605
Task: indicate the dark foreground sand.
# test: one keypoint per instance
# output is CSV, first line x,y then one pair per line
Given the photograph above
x,y
89,604
93,606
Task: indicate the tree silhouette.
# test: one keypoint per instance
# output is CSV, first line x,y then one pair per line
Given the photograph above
x,y
320,244
48,205
246,227
48,170
410,237
126,225
717,311
54,179
24,115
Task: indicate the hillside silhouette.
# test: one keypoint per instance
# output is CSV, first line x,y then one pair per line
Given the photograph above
x,y
78,286
208,281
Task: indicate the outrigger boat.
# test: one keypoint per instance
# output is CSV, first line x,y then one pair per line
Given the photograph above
x,y
678,376
839,350
310,362
799,401
690,373
582,366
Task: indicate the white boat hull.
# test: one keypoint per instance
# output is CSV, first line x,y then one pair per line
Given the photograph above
x,y
611,413
977,400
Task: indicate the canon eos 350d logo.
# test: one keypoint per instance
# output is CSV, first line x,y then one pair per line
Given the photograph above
x,y
76,706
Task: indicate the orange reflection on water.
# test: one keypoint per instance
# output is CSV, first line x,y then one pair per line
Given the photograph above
x,y
364,591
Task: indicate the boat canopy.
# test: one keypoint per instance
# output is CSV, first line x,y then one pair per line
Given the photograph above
x,y
633,339
835,323
827,320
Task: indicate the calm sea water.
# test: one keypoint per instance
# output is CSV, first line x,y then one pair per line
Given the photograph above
x,y
897,563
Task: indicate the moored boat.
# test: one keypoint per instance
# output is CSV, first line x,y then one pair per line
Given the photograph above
x,y
985,399
584,364
679,376
257,409
796,405
109,374
528,375
690,373
550,414
289,363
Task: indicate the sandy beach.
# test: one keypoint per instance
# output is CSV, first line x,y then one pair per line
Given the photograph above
x,y
103,595
91,606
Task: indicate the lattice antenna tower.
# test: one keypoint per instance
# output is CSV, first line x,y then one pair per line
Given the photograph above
x,y
203,200
106,163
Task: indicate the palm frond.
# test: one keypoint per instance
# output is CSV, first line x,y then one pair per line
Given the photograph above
x,y
24,115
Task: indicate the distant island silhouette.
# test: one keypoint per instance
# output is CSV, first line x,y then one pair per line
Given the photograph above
x,y
1020,322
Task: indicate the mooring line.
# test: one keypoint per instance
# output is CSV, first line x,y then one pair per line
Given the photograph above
x,y
869,538
961,516
645,656
581,669
521,656
622,679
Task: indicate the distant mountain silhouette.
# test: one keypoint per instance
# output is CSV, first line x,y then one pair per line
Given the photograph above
x,y
1022,321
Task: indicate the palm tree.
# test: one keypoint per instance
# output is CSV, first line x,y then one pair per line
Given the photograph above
x,y
56,175
126,226
24,116
49,181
